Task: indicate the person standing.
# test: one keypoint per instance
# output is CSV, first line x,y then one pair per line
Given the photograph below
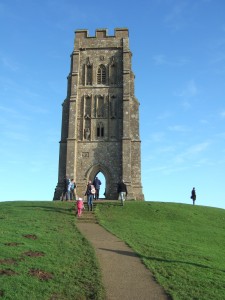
x,y
66,183
90,191
72,190
122,191
97,184
69,190
193,195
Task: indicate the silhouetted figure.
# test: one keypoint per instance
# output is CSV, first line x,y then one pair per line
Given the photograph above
x,y
66,187
97,184
193,195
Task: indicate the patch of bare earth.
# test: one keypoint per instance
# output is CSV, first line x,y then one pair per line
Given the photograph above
x,y
8,261
1,293
30,236
40,274
13,244
7,272
34,254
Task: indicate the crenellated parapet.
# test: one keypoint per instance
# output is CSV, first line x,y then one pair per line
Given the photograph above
x,y
102,33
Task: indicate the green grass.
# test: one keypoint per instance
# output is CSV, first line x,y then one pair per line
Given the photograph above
x,y
67,256
183,245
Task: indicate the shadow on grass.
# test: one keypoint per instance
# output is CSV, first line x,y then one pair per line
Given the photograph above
x,y
67,211
109,204
179,262
133,254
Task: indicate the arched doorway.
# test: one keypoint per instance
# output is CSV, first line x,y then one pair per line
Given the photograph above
x,y
101,177
106,186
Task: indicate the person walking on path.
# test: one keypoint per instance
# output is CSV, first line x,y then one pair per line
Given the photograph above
x,y
193,195
97,184
122,191
80,206
90,191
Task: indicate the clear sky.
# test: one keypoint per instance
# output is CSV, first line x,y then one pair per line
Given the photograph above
x,y
178,58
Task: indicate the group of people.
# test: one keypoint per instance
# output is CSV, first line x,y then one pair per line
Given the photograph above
x,y
92,192
69,189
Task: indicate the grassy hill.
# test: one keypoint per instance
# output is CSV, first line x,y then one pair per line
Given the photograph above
x,y
183,245
43,255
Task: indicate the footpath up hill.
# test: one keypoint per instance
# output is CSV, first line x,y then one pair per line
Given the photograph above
x,y
44,256
182,245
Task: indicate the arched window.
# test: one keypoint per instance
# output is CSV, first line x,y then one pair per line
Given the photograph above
x,y
101,75
100,130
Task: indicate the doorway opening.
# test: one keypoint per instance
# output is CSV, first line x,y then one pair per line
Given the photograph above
x,y
102,190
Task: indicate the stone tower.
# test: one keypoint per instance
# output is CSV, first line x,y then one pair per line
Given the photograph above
x,y
100,117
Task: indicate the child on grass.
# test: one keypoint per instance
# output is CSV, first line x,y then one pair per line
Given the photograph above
x,y
80,206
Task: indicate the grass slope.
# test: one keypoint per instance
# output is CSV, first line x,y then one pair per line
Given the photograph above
x,y
42,254
182,245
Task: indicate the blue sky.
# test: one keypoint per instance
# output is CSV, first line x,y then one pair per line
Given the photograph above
x,y
179,61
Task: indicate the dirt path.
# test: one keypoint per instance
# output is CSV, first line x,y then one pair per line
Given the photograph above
x,y
124,276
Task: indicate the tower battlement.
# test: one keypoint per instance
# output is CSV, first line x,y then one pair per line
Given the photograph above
x,y
102,33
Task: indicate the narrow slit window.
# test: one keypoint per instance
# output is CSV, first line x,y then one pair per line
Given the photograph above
x,y
89,75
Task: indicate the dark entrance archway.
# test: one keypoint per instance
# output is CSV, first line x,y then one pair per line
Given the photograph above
x,y
109,189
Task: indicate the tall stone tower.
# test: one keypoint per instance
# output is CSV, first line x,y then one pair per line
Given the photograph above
x,y
100,118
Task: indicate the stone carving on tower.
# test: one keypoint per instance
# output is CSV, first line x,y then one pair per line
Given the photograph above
x,y
100,116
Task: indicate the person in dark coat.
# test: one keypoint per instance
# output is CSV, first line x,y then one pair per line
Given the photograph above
x,y
90,191
122,191
66,183
97,184
193,195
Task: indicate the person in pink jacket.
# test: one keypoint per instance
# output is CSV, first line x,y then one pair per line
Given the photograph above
x,y
80,206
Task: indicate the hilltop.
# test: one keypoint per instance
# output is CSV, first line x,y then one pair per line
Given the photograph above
x,y
42,254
